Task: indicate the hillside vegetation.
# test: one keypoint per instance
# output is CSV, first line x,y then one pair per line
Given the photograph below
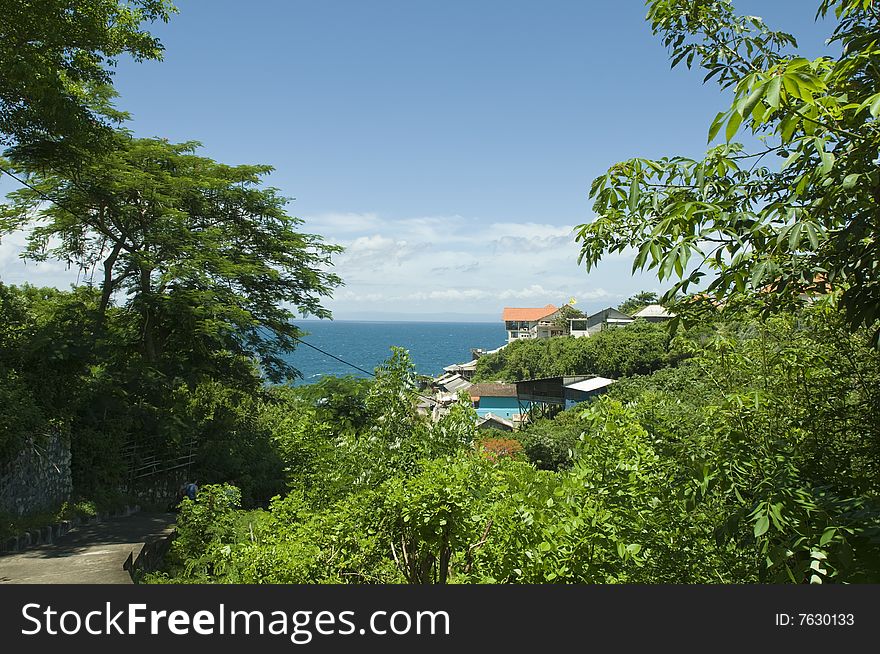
x,y
638,348
755,460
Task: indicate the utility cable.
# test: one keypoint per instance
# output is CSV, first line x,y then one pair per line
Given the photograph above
x,y
314,347
37,191
333,356
371,374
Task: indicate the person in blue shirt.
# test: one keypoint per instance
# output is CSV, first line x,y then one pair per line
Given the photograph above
x,y
190,489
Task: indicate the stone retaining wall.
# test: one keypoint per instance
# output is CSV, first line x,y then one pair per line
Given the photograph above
x,y
38,478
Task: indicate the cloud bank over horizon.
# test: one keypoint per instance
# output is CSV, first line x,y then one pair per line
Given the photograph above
x,y
464,266
404,268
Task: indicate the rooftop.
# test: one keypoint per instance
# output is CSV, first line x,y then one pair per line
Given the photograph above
x,y
527,314
492,390
653,311
491,417
591,384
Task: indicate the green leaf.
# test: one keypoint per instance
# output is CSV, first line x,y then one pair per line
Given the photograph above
x,y
732,126
827,162
812,234
716,125
790,159
667,265
794,236
758,274
772,96
827,535
850,181
761,526
752,100
874,107
634,194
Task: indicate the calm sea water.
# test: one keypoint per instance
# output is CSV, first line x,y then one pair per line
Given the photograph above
x,y
432,345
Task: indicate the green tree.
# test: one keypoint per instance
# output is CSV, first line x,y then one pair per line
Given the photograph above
x,y
807,220
566,313
209,263
42,356
55,60
638,301
638,348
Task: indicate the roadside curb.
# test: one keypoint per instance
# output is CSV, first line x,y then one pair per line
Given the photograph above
x,y
50,533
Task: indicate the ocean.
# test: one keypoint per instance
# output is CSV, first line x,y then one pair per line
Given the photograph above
x,y
432,345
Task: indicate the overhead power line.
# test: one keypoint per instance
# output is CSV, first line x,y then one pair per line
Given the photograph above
x,y
48,198
371,374
37,191
333,356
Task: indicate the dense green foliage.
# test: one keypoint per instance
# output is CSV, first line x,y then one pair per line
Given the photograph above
x,y
59,376
800,208
745,449
551,444
40,359
638,301
55,67
637,348
165,357
754,460
209,262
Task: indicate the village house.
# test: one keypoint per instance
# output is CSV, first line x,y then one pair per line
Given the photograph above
x,y
545,397
593,324
498,399
530,322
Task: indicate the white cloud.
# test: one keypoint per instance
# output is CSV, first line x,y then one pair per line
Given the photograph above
x,y
15,270
430,265
436,264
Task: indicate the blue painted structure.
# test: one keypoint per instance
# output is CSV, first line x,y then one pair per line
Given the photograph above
x,y
503,407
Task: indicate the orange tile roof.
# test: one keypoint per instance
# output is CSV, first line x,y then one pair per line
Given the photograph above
x,y
513,313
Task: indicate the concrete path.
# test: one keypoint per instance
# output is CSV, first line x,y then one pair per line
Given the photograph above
x,y
88,554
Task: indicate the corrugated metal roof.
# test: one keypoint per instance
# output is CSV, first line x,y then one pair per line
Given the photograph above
x,y
653,311
455,367
492,390
491,417
457,384
591,384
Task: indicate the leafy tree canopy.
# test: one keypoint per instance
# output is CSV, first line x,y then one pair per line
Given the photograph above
x,y
205,258
638,348
796,212
566,313
638,301
55,59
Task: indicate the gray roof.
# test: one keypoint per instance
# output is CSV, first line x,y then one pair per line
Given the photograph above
x,y
491,417
492,390
609,314
653,311
451,382
591,384
455,367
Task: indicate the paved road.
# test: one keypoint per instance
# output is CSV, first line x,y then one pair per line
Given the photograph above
x,y
87,554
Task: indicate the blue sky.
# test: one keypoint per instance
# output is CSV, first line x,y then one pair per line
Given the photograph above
x,y
447,145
